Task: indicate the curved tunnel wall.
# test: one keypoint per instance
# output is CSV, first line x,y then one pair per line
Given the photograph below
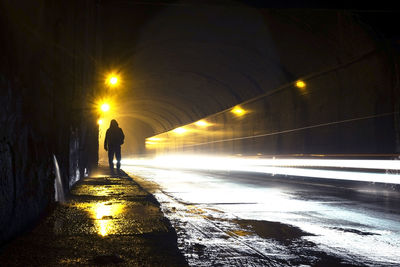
x,y
352,108
206,58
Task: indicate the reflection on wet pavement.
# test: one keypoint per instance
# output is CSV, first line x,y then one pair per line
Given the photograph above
x,y
108,201
106,220
106,214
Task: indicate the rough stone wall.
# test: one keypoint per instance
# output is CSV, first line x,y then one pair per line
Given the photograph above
x,y
47,70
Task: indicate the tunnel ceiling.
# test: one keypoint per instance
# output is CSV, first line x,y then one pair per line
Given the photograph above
x,y
180,62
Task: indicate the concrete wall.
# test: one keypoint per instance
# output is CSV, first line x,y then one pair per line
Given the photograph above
x,y
47,73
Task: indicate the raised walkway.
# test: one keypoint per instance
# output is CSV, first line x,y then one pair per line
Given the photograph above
x,y
106,220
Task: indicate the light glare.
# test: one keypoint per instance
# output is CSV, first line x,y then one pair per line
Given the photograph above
x,y
102,213
300,84
238,111
113,80
105,107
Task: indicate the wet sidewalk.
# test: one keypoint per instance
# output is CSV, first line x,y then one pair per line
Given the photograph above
x,y
106,220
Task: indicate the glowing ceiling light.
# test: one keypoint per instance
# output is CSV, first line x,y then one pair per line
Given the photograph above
x,y
179,130
301,84
202,123
113,80
238,111
105,107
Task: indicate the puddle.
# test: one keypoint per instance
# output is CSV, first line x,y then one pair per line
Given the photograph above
x,y
273,230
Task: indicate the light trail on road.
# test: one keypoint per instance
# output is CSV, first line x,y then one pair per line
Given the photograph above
x,y
207,201
366,170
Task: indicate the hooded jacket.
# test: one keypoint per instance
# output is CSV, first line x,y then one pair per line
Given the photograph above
x,y
114,136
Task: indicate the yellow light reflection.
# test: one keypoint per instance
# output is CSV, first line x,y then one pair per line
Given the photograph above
x,y
179,130
202,123
301,84
238,111
105,214
105,107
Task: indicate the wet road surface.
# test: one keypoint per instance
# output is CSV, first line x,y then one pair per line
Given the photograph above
x,y
244,219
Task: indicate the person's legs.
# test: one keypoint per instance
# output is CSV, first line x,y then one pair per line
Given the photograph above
x,y
118,157
111,158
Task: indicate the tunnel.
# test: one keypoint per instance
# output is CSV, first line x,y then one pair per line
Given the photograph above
x,y
196,80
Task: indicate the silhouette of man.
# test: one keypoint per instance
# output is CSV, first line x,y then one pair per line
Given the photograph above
x,y
112,143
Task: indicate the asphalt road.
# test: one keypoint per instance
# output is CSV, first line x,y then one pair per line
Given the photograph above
x,y
247,219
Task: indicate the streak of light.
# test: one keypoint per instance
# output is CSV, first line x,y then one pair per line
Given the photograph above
x,y
151,143
291,167
154,139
